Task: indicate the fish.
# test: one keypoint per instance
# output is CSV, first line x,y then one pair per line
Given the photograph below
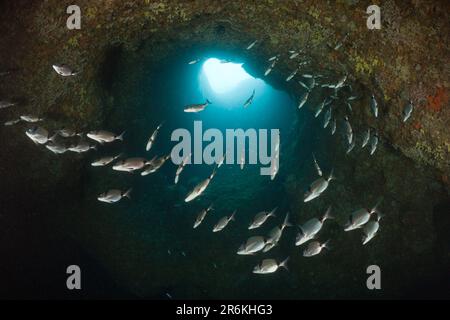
x,y
340,82
31,118
333,126
181,167
294,55
130,164
252,245
82,146
152,138
249,100
370,229
103,136
11,122
348,130
319,109
268,70
64,70
270,266
315,248
6,104
308,89
292,75
153,165
407,111
200,188
104,161
349,106
223,222
374,106
114,195
351,98
351,146
194,61
360,217
316,165
67,133
366,138
56,147
373,143
201,216
251,45
39,135
260,218
276,233
311,228
274,167
317,188
192,108
274,58
303,100
327,118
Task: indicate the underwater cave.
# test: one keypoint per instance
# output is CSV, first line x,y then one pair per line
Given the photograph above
x,y
137,66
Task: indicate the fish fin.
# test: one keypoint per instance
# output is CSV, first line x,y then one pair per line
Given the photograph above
x,y
327,215
379,216
120,137
128,193
283,264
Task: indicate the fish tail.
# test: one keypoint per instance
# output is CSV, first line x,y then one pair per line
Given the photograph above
x,y
331,177
327,215
120,137
375,208
233,216
283,264
208,102
286,222
379,216
326,245
128,193
272,213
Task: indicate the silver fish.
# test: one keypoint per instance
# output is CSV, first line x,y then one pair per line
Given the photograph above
x,y
252,245
333,126
348,130
268,70
274,58
56,147
270,266
249,100
193,61
319,109
311,228
303,100
317,188
64,70
82,146
315,248
67,133
39,135
114,195
373,143
6,104
103,136
260,218
152,138
351,146
294,55
181,167
153,165
130,164
251,45
11,122
349,106
370,229
105,161
374,106
31,118
192,108
340,82
201,216
276,233
223,222
292,75
366,138
200,188
360,217
327,118
407,111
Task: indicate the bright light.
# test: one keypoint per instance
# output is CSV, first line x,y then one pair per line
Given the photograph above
x,y
224,76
